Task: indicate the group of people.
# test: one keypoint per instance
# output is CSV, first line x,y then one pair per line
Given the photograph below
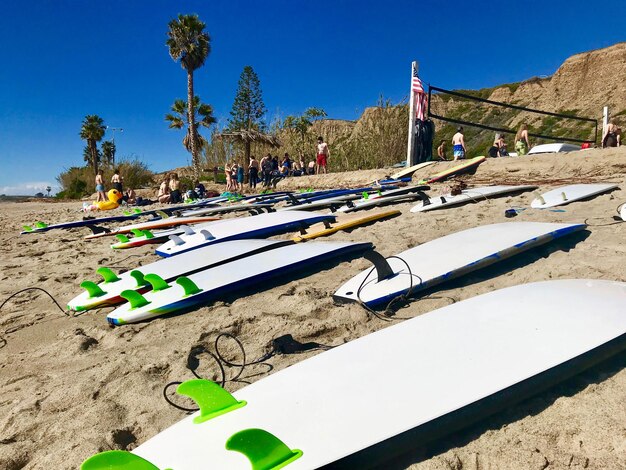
x,y
269,169
116,183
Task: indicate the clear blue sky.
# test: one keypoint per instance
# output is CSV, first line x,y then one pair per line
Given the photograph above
x,y
64,59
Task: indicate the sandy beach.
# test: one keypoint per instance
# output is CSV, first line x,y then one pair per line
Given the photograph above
x,y
73,386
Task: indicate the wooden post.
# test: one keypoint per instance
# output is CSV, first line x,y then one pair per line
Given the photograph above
x,y
409,152
605,122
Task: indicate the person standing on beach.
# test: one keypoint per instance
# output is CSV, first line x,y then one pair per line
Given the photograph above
x,y
322,155
522,144
240,177
100,188
116,180
253,172
441,151
458,144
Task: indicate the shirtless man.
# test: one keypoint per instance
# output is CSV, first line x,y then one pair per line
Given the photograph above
x,y
322,155
458,144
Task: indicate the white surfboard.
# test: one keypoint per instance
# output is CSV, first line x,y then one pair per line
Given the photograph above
x,y
571,193
553,148
468,195
379,201
209,284
410,170
622,212
108,291
226,209
448,257
322,203
450,367
258,226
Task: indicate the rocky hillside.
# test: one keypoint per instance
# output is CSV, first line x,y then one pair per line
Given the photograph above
x,y
581,86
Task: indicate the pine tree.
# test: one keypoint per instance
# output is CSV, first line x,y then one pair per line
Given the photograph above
x,y
248,107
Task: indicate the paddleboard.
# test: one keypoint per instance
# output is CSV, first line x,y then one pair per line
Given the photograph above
x,y
446,258
153,224
467,195
410,170
553,148
147,237
108,291
225,209
464,167
451,367
322,203
240,274
85,222
259,226
571,193
343,222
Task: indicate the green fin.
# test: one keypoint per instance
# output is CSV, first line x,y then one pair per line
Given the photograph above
x,y
365,195
92,288
135,298
161,214
264,450
136,210
212,399
126,213
122,238
107,275
137,232
27,228
117,460
41,224
156,282
148,234
138,276
189,286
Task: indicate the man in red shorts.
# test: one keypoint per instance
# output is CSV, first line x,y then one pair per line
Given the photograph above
x,y
322,155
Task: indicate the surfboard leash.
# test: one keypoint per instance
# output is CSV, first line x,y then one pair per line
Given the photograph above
x,y
285,345
3,341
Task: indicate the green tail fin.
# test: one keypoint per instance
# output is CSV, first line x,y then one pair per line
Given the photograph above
x,y
264,450
137,232
41,224
188,285
212,399
148,234
107,275
138,276
156,282
27,228
135,298
122,238
137,210
92,288
117,460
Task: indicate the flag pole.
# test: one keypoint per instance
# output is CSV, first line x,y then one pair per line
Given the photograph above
x,y
409,152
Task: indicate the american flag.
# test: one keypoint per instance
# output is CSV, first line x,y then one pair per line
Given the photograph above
x,y
417,91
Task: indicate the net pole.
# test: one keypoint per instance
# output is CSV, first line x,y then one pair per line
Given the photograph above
x,y
410,150
605,121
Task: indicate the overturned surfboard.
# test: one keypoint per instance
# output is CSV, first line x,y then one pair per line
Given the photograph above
x,y
163,222
210,284
571,193
344,222
336,201
256,207
353,206
447,258
410,170
466,166
258,226
85,222
503,347
108,291
468,195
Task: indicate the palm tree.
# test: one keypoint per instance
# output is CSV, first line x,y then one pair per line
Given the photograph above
x,y
189,43
108,152
48,189
92,131
202,116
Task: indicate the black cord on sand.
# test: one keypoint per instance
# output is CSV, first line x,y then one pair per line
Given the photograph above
x,y
124,259
388,314
285,344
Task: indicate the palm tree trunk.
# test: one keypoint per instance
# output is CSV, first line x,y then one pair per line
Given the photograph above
x,y
94,156
195,161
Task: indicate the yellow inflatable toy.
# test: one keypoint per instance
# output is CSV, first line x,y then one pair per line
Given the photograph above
x,y
114,201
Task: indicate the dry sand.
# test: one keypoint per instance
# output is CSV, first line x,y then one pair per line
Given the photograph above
x,y
73,386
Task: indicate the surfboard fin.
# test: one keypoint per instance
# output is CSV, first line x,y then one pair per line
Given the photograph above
x,y
117,460
92,289
147,233
264,450
177,240
122,238
188,285
207,235
383,270
135,299
540,197
27,228
137,210
212,399
187,229
137,232
162,214
41,224
107,275
138,276
564,196
156,282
